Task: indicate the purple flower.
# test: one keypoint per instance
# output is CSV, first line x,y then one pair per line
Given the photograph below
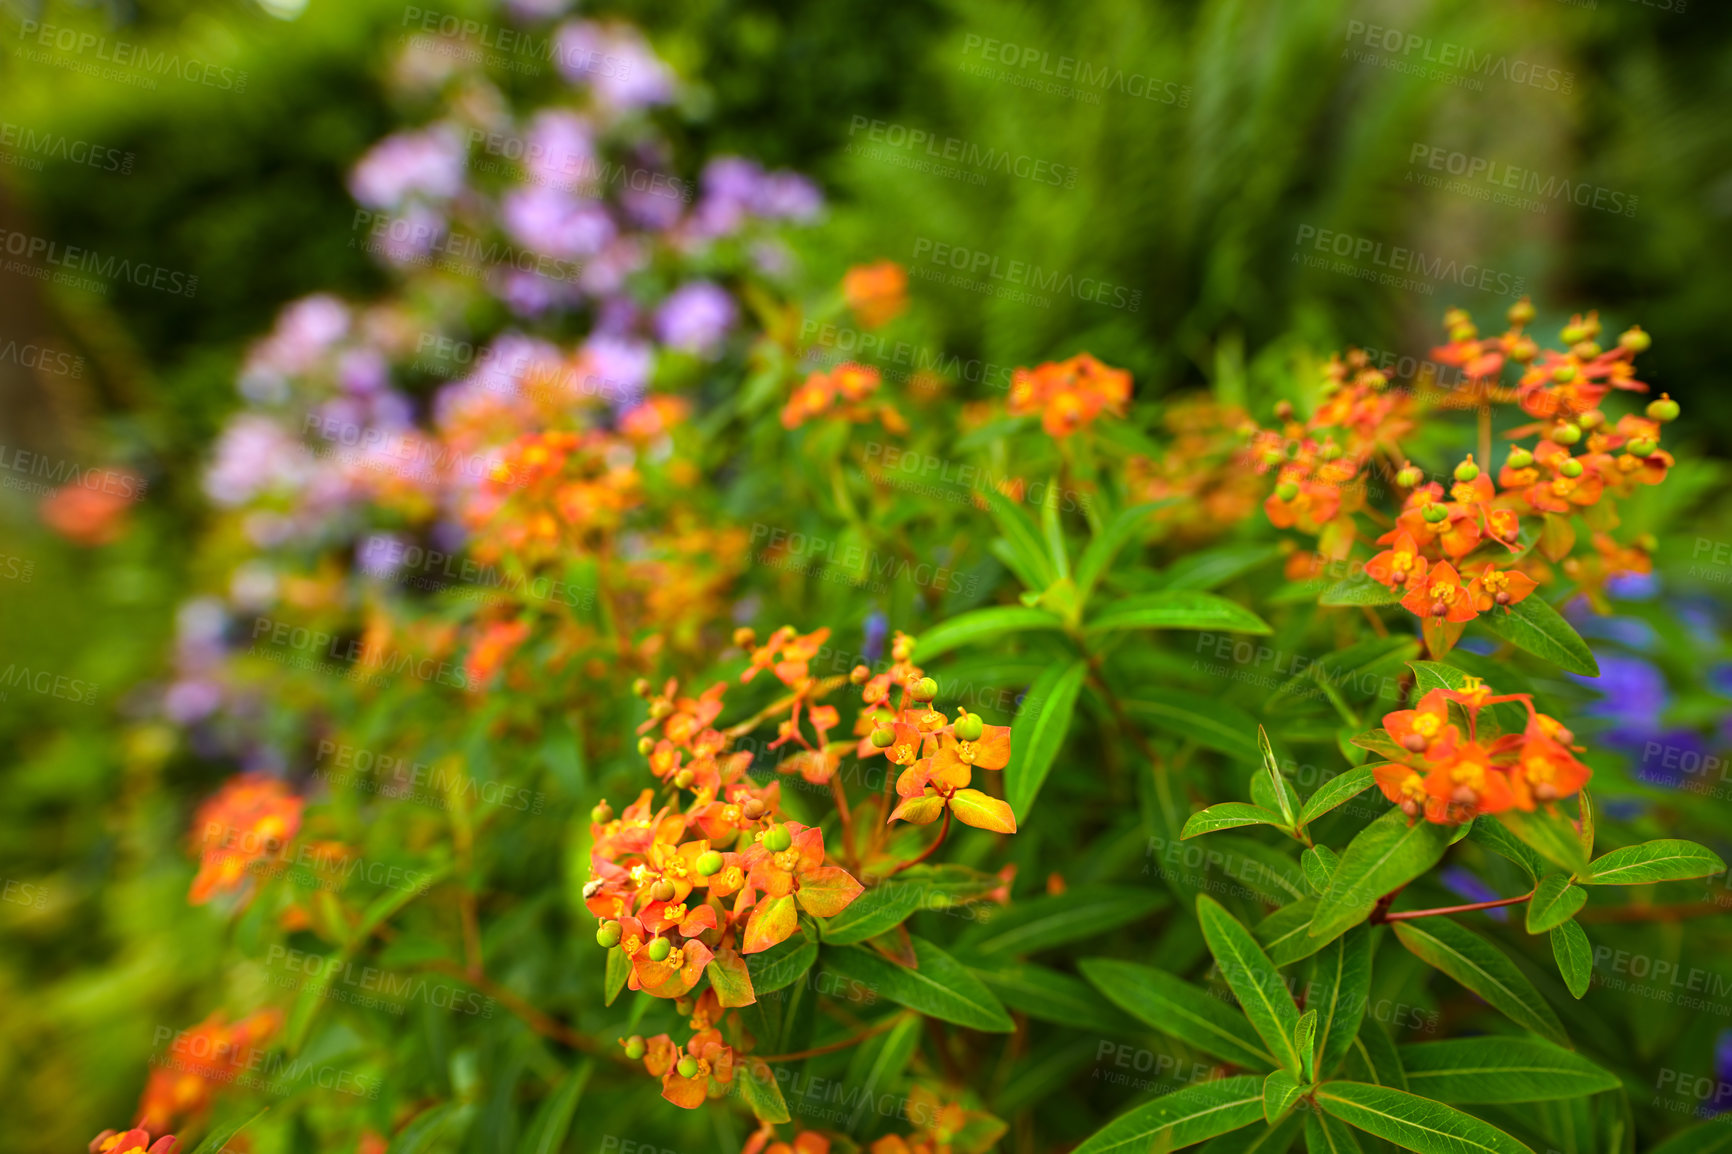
x,y
255,454
615,62
788,196
606,274
555,223
619,368
363,371
1631,690
1460,881
877,628
696,317
428,164
560,150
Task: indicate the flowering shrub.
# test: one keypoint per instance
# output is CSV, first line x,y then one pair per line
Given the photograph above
x,y
910,875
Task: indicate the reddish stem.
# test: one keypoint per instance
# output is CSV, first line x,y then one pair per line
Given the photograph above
x,y
1409,915
927,852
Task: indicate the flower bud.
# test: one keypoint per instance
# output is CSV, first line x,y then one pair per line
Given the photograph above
x,y
688,1067
969,727
1566,433
607,935
1284,410
1586,350
635,1048
777,838
1520,458
1592,419
902,647
646,745
684,778
1523,349
662,891
745,637
1634,340
1641,447
1574,334
1564,374
925,689
659,949
1664,409
883,737
1410,477
1522,312
1435,513
1455,317
753,809
1287,490
1467,470
641,687
661,709
1461,333
1570,467
601,814
709,864
859,675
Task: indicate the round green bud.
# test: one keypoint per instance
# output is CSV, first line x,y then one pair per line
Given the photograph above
x,y
663,891
1570,467
969,727
1463,333
1520,458
659,949
1575,334
883,736
709,864
635,1047
601,814
1435,513
1522,312
925,689
1271,457
646,745
1586,350
777,838
1564,374
1409,477
1467,471
1287,490
607,936
1664,409
1592,419
688,1067
1566,433
1641,447
1331,452
1634,340
641,687
684,778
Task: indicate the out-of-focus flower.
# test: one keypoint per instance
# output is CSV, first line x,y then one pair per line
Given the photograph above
x,y
249,820
877,293
696,317
616,64
555,223
92,510
428,164
1069,395
200,1060
128,1141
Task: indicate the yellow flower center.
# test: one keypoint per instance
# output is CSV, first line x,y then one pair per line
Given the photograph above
x,y
1427,724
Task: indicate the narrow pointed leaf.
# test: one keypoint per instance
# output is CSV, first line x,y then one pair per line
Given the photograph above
x,y
1254,980
1551,835
1575,957
1181,1119
1099,554
1412,1122
756,1082
1483,968
982,625
1285,935
1340,985
1042,923
1359,589
1386,855
1176,1008
1055,997
1229,815
1178,609
1285,799
1501,1070
1319,864
938,985
1038,732
1555,901
1325,1134
1532,624
1337,791
1280,1091
1663,860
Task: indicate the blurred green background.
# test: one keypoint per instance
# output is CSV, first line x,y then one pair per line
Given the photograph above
x,y
1183,159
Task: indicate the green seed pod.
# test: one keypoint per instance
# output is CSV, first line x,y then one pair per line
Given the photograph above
x,y
1567,433
1664,409
635,1047
663,891
1564,374
777,838
1436,513
1634,340
1287,490
969,727
646,745
709,864
1467,471
688,1067
1570,468
1642,447
883,736
659,949
607,936
925,689
1520,458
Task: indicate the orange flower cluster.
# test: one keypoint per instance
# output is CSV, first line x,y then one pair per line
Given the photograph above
x,y
211,1054
845,392
121,1142
942,1128
560,489
1474,546
1069,395
249,820
876,293
1435,771
1202,472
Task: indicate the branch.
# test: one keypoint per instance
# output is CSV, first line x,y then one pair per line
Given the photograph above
x,y
1409,915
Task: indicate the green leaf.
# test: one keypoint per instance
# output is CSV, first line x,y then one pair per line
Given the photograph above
x,y
1713,1137
1551,834
784,963
1106,544
1044,922
1555,901
1254,1139
1337,791
1280,1091
981,625
1229,815
1666,859
1181,1119
879,1063
1305,1041
1039,731
1379,742
1177,1008
1575,957
219,1135
1023,540
1053,531
1254,980
1177,609
1285,934
1501,1070
1319,864
1430,675
1053,997
1206,720
1412,1122
1327,1135
1378,1056
1359,589
1482,968
1386,855
880,909
1532,624
419,1134
1285,799
756,1081
1210,568
1340,986
546,1133
1494,836
937,985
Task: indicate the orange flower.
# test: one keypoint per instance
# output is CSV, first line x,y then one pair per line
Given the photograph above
x,y
1421,730
876,293
1441,595
1545,769
1499,587
92,516
211,1054
117,1142
1467,784
1069,395
1398,565
249,820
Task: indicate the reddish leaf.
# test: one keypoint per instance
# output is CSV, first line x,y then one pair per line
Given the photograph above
x,y
731,980
919,810
826,892
974,808
771,923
